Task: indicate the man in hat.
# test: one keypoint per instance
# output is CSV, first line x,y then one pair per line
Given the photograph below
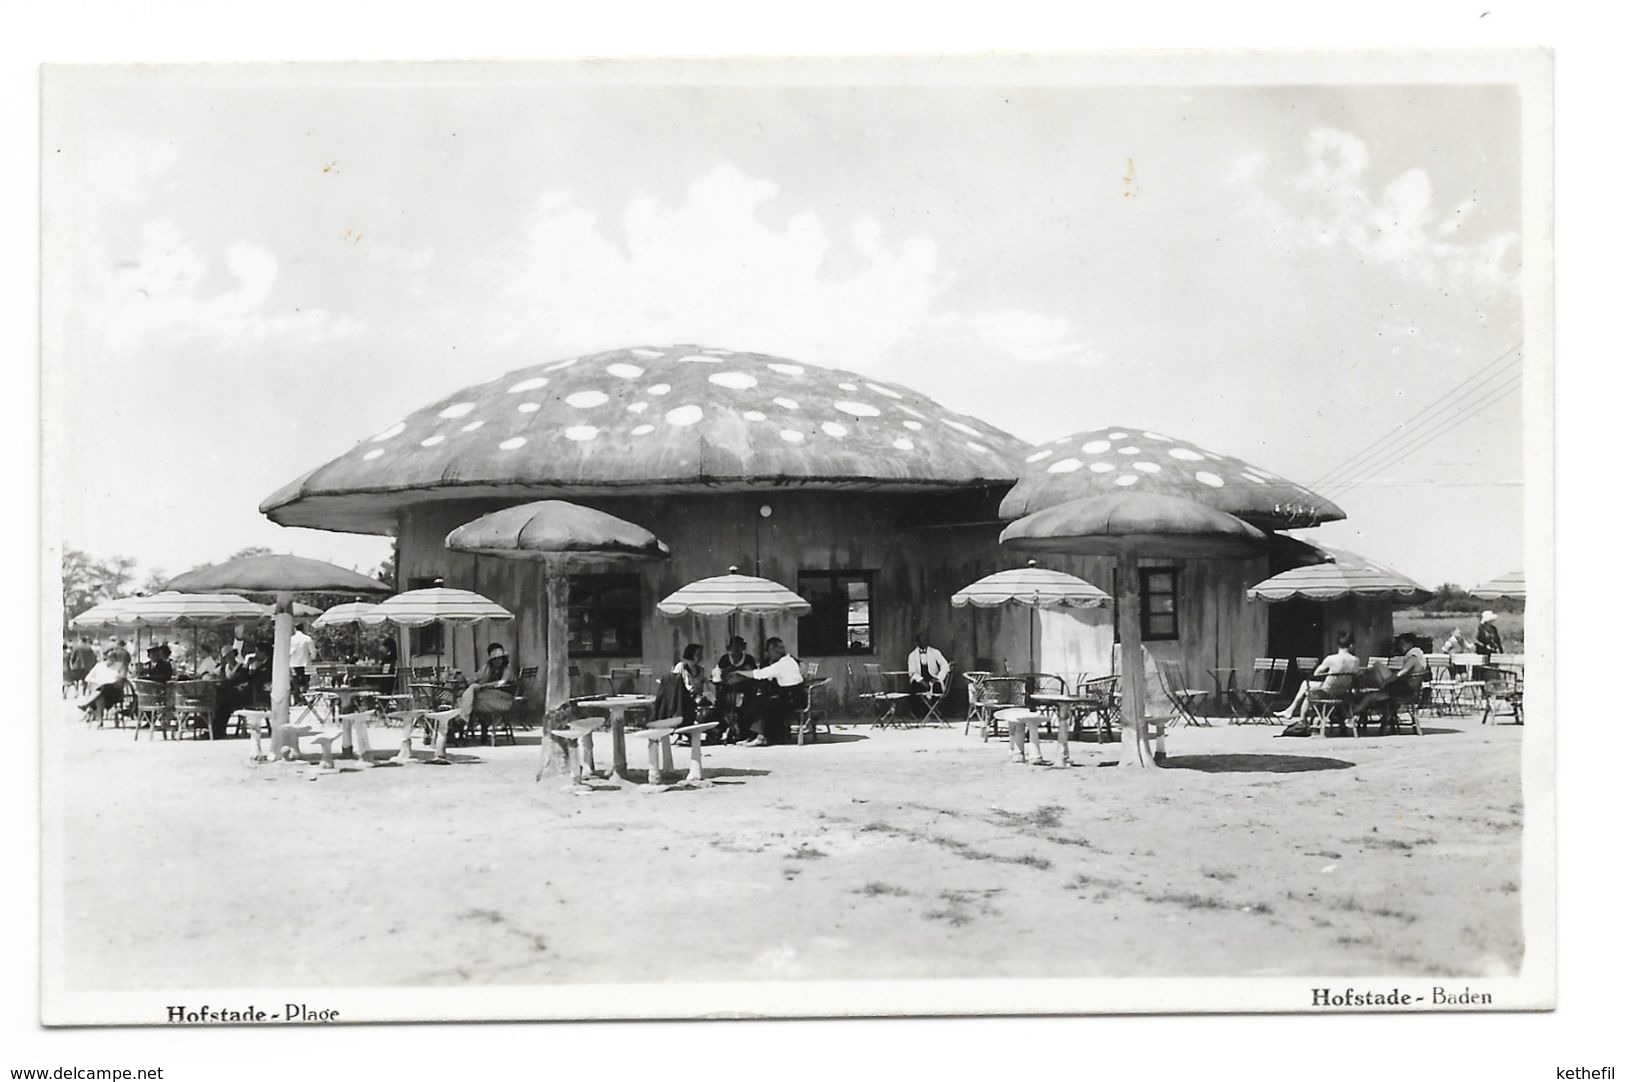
x,y
1488,640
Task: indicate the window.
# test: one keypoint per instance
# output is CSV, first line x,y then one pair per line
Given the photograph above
x,y
839,622
1159,603
606,616
430,638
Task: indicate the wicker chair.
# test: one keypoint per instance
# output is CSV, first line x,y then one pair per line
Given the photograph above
x,y
975,706
1000,693
193,704
1104,701
152,707
814,714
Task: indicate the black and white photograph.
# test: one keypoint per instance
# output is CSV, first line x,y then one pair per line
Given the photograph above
x,y
679,538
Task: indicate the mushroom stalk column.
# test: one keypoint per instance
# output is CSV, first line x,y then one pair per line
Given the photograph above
x,y
1135,744
281,673
556,599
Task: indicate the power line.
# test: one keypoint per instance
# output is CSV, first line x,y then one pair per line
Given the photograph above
x,y
1415,422
1468,412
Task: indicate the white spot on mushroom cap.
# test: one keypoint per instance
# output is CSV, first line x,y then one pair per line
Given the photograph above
x,y
1128,450
637,407
684,415
1211,480
736,381
1040,455
699,358
1156,436
1095,447
966,429
512,444
1064,465
833,428
857,409
649,354
1117,435
586,400
528,385
787,403
1185,454
913,426
903,443
978,448
529,407
390,433
624,371
643,430
912,412
790,435
580,433
1101,467
878,389
660,389
432,441
754,415
786,369
460,409
1148,467
1128,478
561,364
847,386
472,425
374,453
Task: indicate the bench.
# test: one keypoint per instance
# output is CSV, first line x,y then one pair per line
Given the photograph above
x,y
659,738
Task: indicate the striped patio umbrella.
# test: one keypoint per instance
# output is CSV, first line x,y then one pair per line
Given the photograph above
x,y
108,613
1509,585
1348,575
1033,586
733,593
438,605
172,609
351,612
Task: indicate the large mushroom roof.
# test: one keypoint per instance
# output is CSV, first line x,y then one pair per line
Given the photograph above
x,y
646,421
1116,459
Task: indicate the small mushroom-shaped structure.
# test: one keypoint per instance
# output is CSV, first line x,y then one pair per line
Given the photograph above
x,y
282,575
1347,574
1503,587
646,421
1116,459
558,535
1128,525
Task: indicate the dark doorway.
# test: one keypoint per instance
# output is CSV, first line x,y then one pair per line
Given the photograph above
x,y
1297,628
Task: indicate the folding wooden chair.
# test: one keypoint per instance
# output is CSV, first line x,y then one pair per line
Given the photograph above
x,y
1261,695
934,699
1502,686
882,700
1180,693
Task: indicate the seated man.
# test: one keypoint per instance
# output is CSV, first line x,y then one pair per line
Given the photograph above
x,y
781,692
1391,685
927,669
206,667
1343,665
158,667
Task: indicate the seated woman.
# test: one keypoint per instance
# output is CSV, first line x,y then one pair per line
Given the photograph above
x,y
781,692
1341,664
105,682
682,692
733,692
1404,684
493,675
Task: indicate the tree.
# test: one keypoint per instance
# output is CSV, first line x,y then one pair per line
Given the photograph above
x,y
385,572
251,550
87,581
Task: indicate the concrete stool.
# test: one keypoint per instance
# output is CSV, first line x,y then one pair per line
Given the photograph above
x,y
1021,724
409,719
568,747
659,739
354,728
285,742
326,742
441,720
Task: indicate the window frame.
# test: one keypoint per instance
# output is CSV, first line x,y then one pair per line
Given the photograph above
x,y
596,624
808,634
1147,593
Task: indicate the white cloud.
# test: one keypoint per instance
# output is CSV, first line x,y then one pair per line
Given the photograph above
x,y
712,270
1329,200
164,295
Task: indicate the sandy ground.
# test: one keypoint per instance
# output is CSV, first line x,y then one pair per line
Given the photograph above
x,y
920,853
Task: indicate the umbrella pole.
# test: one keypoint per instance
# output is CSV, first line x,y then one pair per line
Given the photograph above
x,y
1135,744
1032,618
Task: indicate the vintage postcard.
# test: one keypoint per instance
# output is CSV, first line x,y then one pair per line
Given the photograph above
x,y
798,537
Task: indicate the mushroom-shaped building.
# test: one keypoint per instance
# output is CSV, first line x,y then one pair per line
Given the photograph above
x,y
870,500
1194,607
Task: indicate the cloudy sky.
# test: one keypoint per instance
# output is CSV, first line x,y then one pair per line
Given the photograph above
x,y
246,277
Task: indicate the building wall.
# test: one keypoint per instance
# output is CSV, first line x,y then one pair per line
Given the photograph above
x,y
917,571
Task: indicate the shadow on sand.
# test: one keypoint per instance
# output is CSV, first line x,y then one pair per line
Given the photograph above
x,y
1259,763
832,738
